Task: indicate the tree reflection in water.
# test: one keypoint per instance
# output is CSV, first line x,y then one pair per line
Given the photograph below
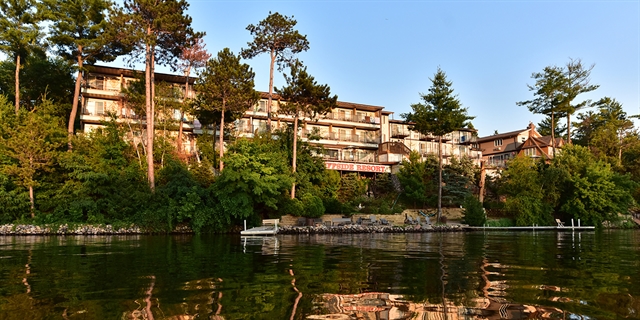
x,y
545,275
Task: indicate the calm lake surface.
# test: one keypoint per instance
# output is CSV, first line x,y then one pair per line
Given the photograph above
x,y
495,275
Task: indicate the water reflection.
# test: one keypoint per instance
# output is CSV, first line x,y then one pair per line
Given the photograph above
x,y
495,275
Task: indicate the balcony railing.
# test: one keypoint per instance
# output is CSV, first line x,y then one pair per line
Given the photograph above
x,y
346,137
352,118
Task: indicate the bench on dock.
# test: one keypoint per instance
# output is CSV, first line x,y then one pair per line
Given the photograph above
x,y
270,222
340,221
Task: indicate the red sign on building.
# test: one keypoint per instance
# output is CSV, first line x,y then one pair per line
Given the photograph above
x,y
357,167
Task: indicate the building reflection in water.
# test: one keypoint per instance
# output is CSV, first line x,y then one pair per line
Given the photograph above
x,y
385,306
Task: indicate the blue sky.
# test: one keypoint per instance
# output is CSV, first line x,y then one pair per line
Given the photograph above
x,y
384,52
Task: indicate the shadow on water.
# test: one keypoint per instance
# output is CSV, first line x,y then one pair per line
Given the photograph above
x,y
493,275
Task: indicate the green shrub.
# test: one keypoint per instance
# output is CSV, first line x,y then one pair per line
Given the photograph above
x,y
473,212
313,207
292,207
504,222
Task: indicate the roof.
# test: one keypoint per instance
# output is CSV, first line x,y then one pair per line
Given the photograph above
x,y
501,135
133,73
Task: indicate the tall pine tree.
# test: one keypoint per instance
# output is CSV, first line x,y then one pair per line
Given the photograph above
x,y
303,97
439,113
226,86
275,35
160,29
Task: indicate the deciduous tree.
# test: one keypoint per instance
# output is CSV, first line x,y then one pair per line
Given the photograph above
x,y
303,96
193,57
31,144
226,85
440,113
275,35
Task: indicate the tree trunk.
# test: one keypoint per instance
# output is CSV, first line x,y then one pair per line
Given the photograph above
x,y
568,128
184,101
33,202
17,83
439,178
295,154
553,134
221,135
76,96
180,151
149,78
269,101
482,182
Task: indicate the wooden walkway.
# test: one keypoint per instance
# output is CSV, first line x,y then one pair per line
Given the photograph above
x,y
532,228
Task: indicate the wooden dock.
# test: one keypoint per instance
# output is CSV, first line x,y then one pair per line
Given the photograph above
x,y
532,228
269,227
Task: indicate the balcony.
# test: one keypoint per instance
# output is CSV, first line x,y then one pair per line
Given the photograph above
x,y
400,134
468,139
427,137
352,118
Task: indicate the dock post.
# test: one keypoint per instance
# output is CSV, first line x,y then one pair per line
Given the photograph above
x,y
572,227
245,225
578,223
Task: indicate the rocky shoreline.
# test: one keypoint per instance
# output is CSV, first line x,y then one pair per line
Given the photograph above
x,y
27,230
356,228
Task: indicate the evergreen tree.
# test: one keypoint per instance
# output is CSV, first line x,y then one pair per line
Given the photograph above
x,y
576,82
545,126
226,85
160,29
78,30
303,97
275,35
440,113
19,33
548,96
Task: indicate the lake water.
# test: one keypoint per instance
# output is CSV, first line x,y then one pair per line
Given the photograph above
x,y
495,275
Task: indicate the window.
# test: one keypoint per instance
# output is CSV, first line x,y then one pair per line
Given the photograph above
x,y
530,152
99,107
96,82
497,142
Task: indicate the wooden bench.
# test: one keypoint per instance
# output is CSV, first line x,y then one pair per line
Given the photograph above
x,y
271,222
340,221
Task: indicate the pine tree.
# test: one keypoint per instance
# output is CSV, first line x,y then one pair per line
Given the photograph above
x,y
577,82
275,35
303,97
19,33
78,30
548,96
226,86
160,29
440,113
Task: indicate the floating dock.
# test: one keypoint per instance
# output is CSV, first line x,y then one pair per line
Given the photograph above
x,y
533,228
269,227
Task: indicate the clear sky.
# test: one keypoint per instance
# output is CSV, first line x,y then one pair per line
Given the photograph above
x,y
384,52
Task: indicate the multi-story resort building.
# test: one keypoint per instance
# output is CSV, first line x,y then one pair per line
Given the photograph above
x,y
354,137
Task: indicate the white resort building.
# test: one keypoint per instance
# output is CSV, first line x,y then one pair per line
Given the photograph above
x,y
355,137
